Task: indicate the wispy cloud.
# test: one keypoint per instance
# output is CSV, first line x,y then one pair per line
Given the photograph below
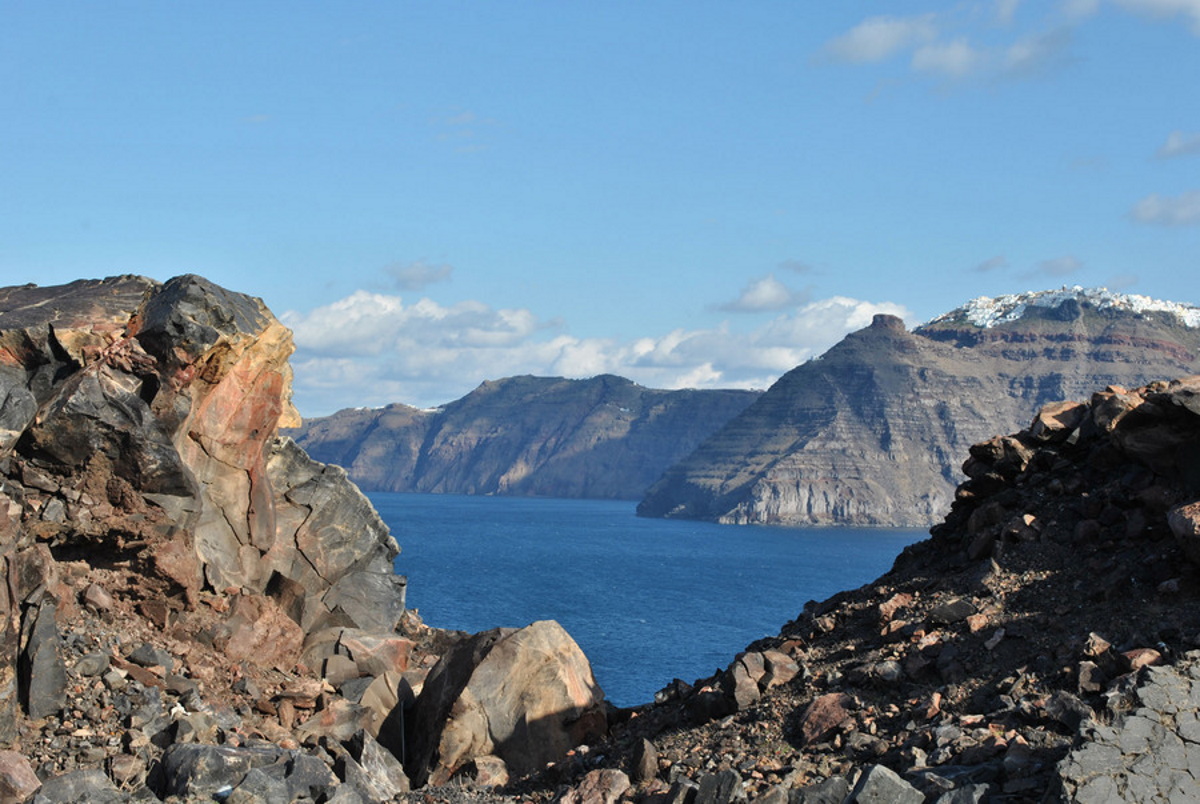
x,y
991,264
372,349
955,59
766,294
958,47
1180,210
1179,144
1005,10
796,266
417,275
1037,53
1165,9
1058,267
877,38
1076,10
463,129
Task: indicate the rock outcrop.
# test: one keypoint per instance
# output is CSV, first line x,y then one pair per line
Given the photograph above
x,y
871,432
190,604
604,437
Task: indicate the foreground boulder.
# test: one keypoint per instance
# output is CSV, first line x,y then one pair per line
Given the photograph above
x,y
525,696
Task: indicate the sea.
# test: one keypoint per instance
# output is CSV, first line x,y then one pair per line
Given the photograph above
x,y
648,600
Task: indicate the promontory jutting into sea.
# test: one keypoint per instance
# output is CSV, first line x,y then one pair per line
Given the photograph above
x,y
202,604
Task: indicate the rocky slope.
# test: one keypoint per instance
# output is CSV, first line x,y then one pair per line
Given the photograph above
x,y
1043,645
604,437
871,432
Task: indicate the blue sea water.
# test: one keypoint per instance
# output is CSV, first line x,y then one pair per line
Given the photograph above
x,y
648,600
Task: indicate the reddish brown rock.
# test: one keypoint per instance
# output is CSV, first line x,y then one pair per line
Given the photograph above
x,y
1142,657
17,779
1185,525
780,669
260,632
824,716
375,654
894,604
598,787
1056,420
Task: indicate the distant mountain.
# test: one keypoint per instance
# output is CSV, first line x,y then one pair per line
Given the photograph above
x,y
604,437
873,431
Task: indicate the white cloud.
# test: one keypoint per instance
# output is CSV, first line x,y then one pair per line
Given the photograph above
x,y
1181,210
1166,8
946,45
838,313
1179,144
416,275
955,59
764,295
373,349
877,38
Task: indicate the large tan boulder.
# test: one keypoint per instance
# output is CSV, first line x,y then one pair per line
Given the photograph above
x,y
526,696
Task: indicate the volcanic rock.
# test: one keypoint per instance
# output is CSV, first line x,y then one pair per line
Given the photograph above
x,y
526,696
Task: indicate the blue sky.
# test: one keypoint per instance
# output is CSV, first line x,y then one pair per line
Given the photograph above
x,y
690,194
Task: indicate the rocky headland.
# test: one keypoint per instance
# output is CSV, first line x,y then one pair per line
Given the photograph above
x,y
872,432
604,437
195,610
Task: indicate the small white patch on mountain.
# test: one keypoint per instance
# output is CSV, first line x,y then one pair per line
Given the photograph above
x,y
987,312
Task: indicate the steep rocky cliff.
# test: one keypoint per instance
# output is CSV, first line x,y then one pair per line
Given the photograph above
x,y
604,437
187,598
870,432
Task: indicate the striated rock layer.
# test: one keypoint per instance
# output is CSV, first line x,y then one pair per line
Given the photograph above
x,y
604,437
871,432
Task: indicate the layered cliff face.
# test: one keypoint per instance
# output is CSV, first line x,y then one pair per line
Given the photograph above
x,y
871,433
603,437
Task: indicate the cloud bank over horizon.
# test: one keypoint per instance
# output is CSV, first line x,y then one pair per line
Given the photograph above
x,y
370,349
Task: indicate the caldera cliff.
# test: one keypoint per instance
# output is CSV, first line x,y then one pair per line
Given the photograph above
x,y
603,437
871,432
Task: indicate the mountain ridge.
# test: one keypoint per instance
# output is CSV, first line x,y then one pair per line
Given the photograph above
x,y
602,437
890,398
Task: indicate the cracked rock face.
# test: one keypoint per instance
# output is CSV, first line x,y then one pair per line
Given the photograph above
x,y
1151,750
138,422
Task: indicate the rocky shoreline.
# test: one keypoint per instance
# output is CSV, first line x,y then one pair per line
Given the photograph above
x,y
194,610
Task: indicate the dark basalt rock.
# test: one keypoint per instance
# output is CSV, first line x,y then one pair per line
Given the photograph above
x,y
42,674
